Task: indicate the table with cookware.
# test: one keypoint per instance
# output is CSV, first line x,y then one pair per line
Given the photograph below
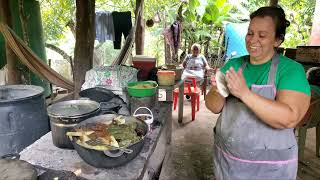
x,y
52,152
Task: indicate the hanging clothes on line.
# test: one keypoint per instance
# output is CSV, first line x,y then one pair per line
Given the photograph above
x,y
104,26
122,25
176,33
172,36
167,33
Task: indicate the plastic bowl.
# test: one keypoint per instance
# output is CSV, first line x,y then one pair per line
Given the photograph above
x,y
140,89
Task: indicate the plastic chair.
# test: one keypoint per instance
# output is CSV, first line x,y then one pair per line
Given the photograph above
x,y
190,89
310,120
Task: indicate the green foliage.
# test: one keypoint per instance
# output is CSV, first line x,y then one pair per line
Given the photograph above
x,y
55,16
202,20
204,27
298,12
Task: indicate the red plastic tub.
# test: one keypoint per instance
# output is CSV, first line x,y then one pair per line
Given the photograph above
x,y
145,64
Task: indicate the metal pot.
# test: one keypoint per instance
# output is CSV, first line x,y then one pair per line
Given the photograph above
x,y
24,117
110,159
66,115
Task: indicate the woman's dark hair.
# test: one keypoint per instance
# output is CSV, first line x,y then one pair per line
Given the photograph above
x,y
278,16
313,76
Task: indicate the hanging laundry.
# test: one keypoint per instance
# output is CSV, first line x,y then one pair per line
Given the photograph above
x,y
176,33
122,25
104,26
168,36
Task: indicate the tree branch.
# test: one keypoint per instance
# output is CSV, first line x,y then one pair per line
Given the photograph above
x,y
62,53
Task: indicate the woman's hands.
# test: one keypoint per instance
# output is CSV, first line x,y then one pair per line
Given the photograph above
x,y
236,83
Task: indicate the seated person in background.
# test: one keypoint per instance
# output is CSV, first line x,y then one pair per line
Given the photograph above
x,y
195,64
313,76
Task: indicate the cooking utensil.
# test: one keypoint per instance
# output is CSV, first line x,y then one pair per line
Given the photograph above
x,y
67,114
112,158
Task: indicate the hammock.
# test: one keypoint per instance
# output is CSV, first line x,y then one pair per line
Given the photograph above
x,y
32,61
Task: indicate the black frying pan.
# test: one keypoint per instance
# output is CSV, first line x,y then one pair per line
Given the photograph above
x,y
113,158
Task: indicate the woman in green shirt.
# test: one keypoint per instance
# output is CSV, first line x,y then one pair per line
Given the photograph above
x,y
269,95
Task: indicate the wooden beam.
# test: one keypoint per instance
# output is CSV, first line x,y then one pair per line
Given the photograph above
x,y
315,33
273,2
139,36
85,35
14,75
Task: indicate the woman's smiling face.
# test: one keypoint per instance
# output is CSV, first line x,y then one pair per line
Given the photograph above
x,y
261,39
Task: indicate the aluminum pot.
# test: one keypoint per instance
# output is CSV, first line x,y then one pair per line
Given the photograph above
x,y
66,115
114,158
23,117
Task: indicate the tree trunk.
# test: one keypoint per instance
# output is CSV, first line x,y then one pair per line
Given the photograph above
x,y
14,75
85,35
139,40
315,33
273,2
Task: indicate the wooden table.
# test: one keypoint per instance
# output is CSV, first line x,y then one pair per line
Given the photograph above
x,y
147,164
169,89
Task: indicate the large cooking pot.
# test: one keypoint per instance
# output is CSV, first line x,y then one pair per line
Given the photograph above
x,y
114,158
23,117
66,115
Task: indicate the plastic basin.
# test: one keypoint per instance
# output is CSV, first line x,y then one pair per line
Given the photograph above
x,y
142,88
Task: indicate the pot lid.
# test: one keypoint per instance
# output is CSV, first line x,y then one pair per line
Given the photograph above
x,y
17,170
12,93
72,108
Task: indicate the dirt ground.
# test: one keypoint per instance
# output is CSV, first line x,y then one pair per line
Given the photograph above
x,y
191,148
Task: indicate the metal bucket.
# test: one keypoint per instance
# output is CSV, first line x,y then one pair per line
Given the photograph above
x,y
24,117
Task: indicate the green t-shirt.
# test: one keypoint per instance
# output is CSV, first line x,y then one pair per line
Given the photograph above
x,y
290,74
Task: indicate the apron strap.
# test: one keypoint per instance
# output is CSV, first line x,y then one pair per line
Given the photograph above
x,y
245,62
273,67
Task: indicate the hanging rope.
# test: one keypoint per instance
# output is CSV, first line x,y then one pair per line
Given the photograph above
x,y
32,61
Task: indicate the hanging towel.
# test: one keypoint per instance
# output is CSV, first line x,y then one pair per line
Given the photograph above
x,y
104,26
122,25
176,33
168,35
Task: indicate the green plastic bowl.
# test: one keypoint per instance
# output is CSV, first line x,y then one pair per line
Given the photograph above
x,y
135,91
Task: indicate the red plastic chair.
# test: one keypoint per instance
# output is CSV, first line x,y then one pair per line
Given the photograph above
x,y
190,89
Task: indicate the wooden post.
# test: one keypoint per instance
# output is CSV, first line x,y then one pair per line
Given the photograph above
x,y
273,2
139,40
85,35
14,75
